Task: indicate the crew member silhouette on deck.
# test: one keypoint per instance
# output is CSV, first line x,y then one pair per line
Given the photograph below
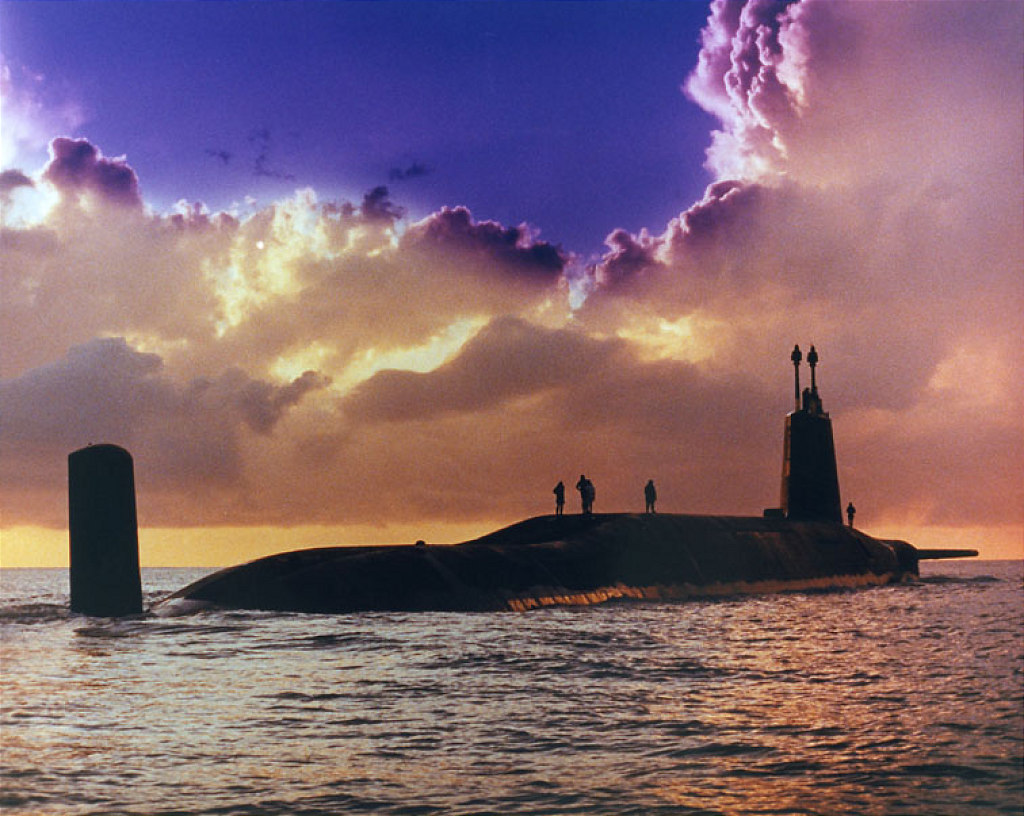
x,y
587,494
559,492
650,496
850,511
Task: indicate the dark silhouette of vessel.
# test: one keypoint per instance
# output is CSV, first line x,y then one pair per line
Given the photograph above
x,y
586,559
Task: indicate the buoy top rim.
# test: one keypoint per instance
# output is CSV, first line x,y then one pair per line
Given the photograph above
x,y
101,449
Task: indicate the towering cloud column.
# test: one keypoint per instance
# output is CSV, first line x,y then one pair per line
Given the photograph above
x,y
105,578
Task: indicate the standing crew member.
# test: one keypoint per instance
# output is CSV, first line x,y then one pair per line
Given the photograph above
x,y
850,511
586,488
559,492
650,496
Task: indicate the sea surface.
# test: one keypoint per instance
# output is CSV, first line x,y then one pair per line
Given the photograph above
x,y
906,699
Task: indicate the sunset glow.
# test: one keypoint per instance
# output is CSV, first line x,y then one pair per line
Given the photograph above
x,y
547,268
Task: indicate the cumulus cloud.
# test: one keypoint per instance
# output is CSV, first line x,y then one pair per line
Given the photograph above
x,y
77,167
853,197
522,405
12,179
825,92
865,197
88,271
746,78
222,316
105,390
508,359
628,257
377,206
453,233
722,222
189,434
262,404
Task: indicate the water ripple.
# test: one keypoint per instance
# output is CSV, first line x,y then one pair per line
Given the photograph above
x,y
897,701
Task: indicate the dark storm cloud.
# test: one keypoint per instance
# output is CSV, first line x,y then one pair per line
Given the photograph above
x,y
76,166
514,248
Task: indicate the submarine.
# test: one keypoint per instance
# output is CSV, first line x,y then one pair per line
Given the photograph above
x,y
552,560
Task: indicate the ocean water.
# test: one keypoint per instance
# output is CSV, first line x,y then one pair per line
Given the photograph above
x,y
906,699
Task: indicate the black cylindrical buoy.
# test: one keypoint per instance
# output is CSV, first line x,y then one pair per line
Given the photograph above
x,y
104,534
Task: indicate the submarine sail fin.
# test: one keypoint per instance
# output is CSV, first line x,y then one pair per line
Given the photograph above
x,y
810,479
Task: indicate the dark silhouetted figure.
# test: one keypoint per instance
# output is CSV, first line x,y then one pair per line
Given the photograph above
x,y
587,494
559,492
650,496
851,511
103,532
796,357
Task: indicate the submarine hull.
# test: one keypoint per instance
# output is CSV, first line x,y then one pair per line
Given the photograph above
x,y
563,560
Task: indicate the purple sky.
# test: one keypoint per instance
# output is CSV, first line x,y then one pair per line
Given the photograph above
x,y
566,115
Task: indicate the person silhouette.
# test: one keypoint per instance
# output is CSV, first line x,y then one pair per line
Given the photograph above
x,y
650,496
850,512
587,492
559,492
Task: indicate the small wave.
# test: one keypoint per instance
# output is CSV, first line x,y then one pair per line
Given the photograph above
x,y
179,607
304,698
691,667
331,641
27,614
102,632
792,767
146,625
685,729
946,769
965,580
716,749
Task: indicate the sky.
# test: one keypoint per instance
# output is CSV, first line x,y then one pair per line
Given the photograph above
x,y
373,272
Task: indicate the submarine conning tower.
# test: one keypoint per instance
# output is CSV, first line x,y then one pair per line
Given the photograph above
x,y
810,481
103,532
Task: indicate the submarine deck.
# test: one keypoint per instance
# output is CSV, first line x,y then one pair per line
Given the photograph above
x,y
564,560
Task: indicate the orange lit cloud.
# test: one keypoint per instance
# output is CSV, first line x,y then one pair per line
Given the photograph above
x,y
328,363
